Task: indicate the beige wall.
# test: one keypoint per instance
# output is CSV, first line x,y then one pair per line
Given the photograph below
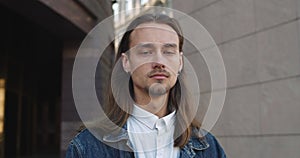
x,y
259,42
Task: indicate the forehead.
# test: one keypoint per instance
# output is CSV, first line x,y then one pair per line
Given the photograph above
x,y
153,33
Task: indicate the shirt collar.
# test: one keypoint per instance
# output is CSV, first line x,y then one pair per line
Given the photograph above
x,y
194,143
150,119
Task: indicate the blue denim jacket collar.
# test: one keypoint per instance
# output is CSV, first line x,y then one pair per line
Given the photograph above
x,y
121,135
116,137
188,151
194,144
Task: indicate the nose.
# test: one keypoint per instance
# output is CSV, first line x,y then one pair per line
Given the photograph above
x,y
156,65
158,60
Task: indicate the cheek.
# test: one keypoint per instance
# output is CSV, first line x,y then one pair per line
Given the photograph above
x,y
173,80
174,66
136,77
139,73
138,66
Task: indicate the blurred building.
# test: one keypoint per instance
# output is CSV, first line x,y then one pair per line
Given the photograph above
x,y
258,39
39,41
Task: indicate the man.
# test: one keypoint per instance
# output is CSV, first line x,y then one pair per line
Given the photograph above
x,y
155,110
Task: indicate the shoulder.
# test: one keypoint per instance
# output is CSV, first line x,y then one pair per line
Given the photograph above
x,y
85,136
215,148
85,144
213,142
207,145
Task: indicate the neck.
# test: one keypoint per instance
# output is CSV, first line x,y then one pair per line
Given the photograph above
x,y
157,105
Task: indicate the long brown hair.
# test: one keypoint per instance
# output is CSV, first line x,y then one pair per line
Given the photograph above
x,y
179,99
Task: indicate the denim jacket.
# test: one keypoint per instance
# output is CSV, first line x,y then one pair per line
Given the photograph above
x,y
86,145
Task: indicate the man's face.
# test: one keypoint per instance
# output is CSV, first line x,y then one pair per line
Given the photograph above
x,y
154,59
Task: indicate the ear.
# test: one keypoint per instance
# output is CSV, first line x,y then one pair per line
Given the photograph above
x,y
180,61
125,63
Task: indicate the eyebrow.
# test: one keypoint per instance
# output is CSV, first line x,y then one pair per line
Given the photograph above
x,y
151,45
146,45
170,45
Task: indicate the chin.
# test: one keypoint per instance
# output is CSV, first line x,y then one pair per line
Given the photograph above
x,y
158,89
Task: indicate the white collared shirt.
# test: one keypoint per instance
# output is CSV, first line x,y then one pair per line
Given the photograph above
x,y
151,136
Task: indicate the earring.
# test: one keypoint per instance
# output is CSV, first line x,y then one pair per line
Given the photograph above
x,y
178,73
128,72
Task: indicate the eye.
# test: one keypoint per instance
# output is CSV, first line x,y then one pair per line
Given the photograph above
x,y
169,52
145,52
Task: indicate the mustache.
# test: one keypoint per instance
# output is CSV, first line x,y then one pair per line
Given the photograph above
x,y
158,71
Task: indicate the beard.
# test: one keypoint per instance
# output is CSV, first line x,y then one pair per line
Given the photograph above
x,y
157,89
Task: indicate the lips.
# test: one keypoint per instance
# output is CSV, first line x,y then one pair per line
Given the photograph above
x,y
159,75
